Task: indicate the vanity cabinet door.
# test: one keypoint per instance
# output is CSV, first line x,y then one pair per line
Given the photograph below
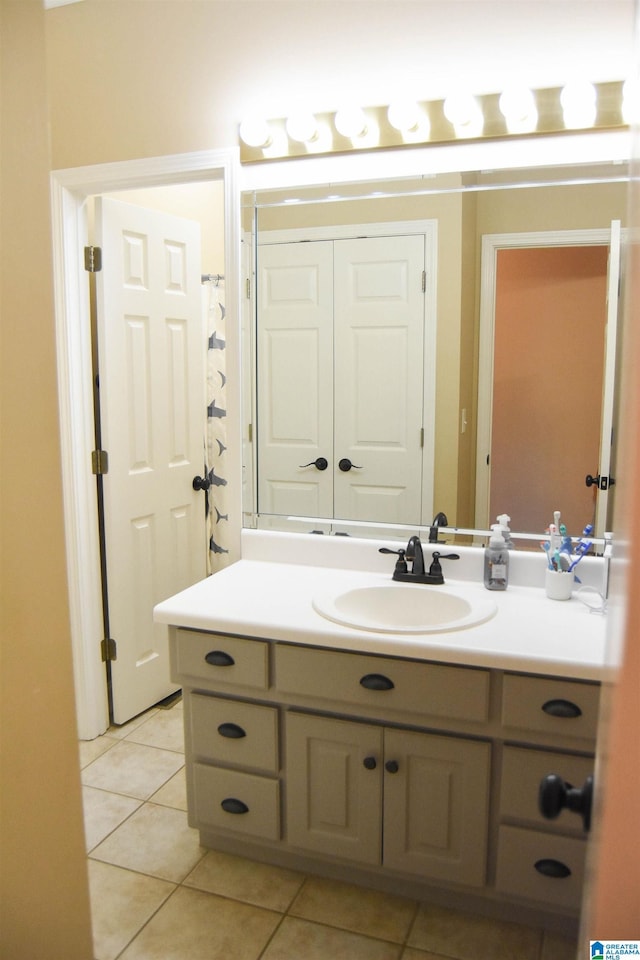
x,y
334,787
436,798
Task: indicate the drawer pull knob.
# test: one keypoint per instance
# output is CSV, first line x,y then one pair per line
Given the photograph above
x,y
232,805
391,766
376,681
369,763
552,868
218,658
232,731
555,794
562,708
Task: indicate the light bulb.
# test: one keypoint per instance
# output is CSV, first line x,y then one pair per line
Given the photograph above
x,y
518,107
302,127
404,115
463,112
351,122
254,131
578,100
631,101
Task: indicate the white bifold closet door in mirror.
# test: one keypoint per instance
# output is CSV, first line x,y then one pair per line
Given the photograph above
x,y
340,378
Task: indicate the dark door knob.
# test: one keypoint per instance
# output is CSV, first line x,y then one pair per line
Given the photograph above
x,y
555,794
603,483
391,766
201,483
345,465
320,463
370,763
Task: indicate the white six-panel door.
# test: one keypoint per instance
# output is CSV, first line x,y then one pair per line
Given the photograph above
x,y
379,335
295,378
340,377
151,348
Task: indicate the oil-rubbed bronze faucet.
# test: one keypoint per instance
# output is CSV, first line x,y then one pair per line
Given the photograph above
x,y
413,553
440,520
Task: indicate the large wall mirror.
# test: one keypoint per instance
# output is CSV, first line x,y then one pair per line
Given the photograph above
x,y
441,344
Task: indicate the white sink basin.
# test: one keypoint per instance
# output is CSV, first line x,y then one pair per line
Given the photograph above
x,y
407,608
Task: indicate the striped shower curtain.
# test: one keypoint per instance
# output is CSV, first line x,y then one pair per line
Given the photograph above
x,y
216,435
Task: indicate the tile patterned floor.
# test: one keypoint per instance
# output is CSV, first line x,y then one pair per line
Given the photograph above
x,y
156,894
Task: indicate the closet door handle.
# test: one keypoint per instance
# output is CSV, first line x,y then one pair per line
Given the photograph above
x,y
564,709
376,681
345,465
320,463
218,658
233,805
370,763
232,731
391,766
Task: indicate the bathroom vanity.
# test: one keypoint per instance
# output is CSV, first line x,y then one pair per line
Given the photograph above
x,y
407,761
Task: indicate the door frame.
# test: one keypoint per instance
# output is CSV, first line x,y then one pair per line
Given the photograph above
x,y
70,190
491,244
392,228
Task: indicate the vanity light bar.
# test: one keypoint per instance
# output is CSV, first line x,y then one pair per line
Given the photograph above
x,y
517,112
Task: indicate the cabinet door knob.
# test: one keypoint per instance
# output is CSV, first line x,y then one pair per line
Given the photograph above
x,y
232,731
376,681
552,868
233,805
370,763
564,709
555,794
391,766
218,658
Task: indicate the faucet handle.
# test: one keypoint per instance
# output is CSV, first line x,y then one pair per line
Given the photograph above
x,y
401,562
435,567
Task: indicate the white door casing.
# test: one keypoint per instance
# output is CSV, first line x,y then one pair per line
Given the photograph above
x,y
491,244
70,190
152,397
608,386
377,316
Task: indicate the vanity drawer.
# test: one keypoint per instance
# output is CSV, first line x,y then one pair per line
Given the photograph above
x,y
411,687
213,660
559,707
236,801
233,732
522,771
526,858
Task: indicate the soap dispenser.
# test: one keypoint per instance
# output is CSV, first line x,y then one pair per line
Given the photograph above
x,y
504,522
496,560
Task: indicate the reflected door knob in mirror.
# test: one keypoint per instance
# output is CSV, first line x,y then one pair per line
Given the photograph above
x,y
555,794
602,483
320,463
201,483
345,465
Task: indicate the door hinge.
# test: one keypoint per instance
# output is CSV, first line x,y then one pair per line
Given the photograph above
x,y
424,281
108,649
93,259
248,288
99,462
421,437
250,433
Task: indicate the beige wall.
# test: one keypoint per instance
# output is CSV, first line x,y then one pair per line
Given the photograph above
x,y
43,892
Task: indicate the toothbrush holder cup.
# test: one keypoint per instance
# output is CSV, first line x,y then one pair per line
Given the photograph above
x,y
558,584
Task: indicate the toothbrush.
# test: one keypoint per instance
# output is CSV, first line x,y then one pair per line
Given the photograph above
x,y
546,546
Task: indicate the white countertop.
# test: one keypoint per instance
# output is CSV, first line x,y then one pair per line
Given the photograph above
x,y
273,599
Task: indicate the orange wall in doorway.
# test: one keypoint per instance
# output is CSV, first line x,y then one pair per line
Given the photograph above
x,y
548,372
